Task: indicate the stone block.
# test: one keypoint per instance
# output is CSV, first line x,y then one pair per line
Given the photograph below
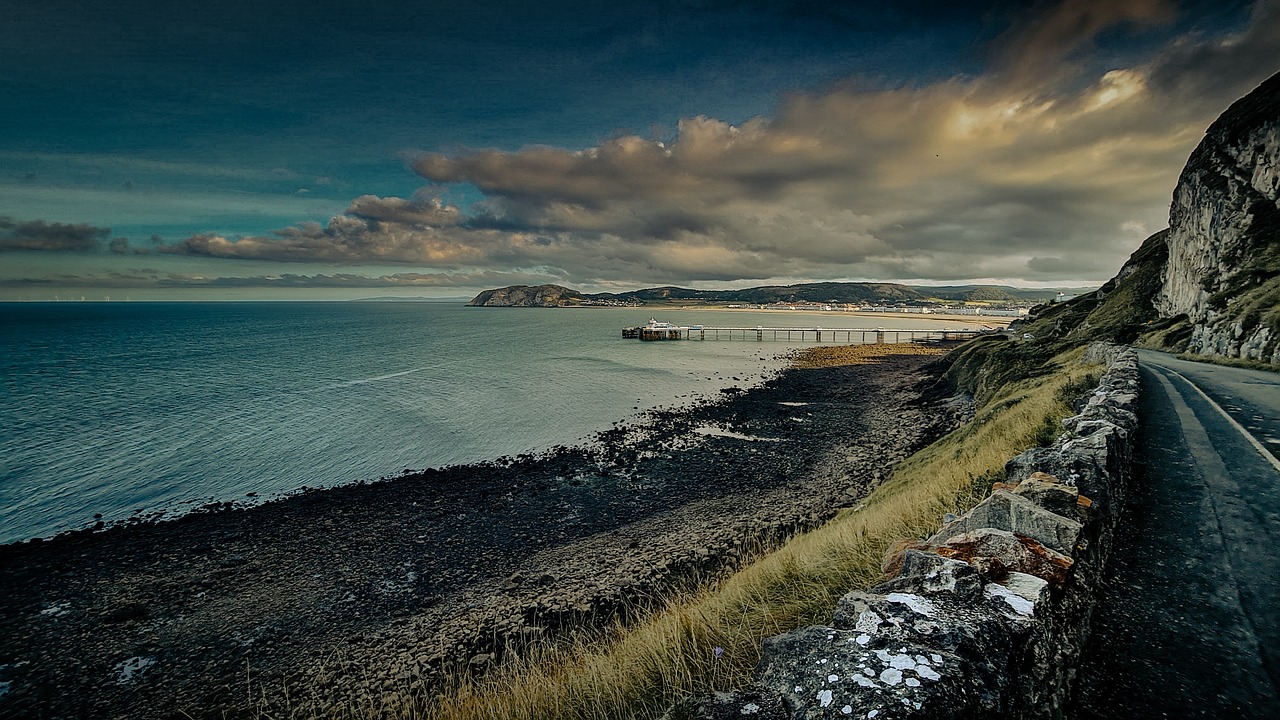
x,y
926,573
1027,587
1004,510
1050,493
996,553
896,663
1087,472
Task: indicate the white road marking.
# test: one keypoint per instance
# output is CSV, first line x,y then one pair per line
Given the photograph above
x,y
1247,436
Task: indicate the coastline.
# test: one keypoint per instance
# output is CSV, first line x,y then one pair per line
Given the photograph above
x,y
382,589
978,321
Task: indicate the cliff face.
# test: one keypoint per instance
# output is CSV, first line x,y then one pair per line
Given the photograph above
x,y
526,296
1223,270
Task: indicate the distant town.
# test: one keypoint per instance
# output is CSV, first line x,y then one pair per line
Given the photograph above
x,y
916,308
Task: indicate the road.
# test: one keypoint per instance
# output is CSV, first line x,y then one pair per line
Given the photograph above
x,y
1189,621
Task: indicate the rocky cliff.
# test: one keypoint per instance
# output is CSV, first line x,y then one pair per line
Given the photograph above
x,y
527,296
1223,271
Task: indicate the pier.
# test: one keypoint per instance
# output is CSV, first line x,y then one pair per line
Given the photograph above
x,y
853,336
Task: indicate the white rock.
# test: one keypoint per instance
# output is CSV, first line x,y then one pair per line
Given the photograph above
x,y
919,605
891,676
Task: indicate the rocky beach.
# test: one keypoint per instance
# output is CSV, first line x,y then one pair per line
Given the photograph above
x,y
349,600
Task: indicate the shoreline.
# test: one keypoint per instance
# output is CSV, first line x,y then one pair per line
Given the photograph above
x,y
979,321
997,321
382,589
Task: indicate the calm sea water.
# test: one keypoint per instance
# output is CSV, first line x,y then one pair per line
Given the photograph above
x,y
115,408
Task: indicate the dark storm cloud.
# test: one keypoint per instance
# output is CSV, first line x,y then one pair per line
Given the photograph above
x,y
1039,44
372,229
1204,68
50,237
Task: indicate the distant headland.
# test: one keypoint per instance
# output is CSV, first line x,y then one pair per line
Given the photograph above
x,y
824,295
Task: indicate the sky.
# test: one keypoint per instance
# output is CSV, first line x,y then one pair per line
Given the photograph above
x,y
160,149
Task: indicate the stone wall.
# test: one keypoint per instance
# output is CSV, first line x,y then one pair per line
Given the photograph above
x,y
987,617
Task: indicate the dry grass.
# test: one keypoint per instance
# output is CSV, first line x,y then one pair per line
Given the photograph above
x,y
639,671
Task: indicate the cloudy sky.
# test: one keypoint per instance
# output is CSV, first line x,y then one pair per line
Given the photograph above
x,y
232,149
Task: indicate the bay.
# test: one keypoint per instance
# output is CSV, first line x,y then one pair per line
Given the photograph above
x,y
120,408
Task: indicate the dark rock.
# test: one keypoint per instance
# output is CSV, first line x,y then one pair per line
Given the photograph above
x,y
126,613
1051,494
926,573
747,704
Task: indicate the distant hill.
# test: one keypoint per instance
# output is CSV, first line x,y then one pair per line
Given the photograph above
x,y
825,292
527,296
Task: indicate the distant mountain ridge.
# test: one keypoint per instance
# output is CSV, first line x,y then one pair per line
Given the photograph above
x,y
823,292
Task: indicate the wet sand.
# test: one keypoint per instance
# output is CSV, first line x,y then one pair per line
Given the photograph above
x,y
363,594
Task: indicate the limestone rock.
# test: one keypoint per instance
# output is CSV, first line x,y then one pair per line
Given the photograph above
x,y
927,573
996,553
1004,510
1089,473
1027,587
1050,493
1223,221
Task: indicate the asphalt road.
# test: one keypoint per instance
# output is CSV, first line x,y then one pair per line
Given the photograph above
x,y
1189,622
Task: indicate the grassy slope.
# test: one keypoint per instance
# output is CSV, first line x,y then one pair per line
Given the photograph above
x,y
1119,311
639,671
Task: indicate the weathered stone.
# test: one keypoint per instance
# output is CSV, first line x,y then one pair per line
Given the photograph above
x,y
1086,472
822,672
1050,493
926,573
939,640
1028,587
996,553
1004,510
1222,233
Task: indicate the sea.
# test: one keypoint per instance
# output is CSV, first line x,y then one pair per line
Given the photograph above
x,y
110,411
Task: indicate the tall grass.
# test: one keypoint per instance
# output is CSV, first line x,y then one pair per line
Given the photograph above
x,y
638,671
